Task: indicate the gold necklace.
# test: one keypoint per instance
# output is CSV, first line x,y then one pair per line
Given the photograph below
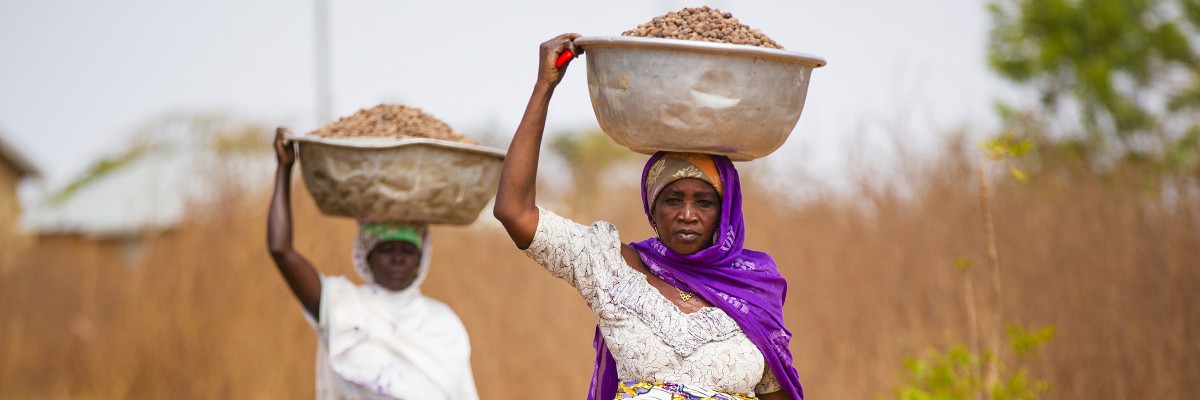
x,y
684,295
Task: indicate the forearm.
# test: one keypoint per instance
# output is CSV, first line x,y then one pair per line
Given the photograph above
x,y
516,196
279,217
300,275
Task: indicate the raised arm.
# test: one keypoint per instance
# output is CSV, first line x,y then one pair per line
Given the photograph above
x,y
515,198
300,275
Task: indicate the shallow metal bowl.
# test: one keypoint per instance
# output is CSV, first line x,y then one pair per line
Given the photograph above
x,y
415,180
654,94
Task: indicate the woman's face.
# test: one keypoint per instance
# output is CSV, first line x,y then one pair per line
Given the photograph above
x,y
394,264
686,214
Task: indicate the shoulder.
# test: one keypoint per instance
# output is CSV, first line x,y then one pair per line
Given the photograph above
x,y
336,282
552,224
437,306
632,258
445,315
550,217
757,261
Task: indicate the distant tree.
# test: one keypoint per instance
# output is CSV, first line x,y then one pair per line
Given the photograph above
x,y
949,374
589,154
1117,80
219,133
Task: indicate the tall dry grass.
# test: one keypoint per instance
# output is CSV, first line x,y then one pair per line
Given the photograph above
x,y
200,311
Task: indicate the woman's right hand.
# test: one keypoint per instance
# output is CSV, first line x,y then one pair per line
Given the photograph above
x,y
550,50
285,151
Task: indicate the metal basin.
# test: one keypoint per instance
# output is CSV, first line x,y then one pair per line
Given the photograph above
x,y
654,94
415,180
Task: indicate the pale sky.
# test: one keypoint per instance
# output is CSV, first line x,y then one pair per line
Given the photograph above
x,y
78,77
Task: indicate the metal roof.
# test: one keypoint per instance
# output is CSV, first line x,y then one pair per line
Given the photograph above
x,y
10,155
150,193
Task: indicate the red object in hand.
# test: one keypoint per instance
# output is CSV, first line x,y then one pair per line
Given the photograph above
x,y
563,58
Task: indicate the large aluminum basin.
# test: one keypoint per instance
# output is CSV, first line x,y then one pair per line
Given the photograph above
x,y
415,180
654,94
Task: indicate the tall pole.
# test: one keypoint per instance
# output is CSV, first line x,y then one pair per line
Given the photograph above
x,y
324,108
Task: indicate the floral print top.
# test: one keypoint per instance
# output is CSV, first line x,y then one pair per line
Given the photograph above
x,y
650,338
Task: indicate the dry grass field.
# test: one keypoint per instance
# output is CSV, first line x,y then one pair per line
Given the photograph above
x,y
200,312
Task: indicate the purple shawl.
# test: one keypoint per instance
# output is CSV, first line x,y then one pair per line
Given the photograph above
x,y
744,283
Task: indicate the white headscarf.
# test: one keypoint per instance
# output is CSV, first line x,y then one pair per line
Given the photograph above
x,y
401,344
367,240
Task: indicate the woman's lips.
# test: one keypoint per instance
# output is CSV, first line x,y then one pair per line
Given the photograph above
x,y
397,274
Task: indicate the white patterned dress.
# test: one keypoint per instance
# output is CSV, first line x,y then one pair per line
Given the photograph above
x,y
650,338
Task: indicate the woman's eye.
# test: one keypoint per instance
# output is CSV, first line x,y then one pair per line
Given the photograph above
x,y
673,202
705,203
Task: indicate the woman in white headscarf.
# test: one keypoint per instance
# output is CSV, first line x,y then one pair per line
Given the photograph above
x,y
382,340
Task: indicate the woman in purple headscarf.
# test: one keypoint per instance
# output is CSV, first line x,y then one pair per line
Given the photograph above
x,y
688,314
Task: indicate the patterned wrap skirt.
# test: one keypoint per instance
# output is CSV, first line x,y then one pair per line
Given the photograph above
x,y
640,390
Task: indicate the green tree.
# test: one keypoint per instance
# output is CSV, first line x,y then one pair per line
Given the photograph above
x,y
962,373
590,154
220,133
1116,80
950,374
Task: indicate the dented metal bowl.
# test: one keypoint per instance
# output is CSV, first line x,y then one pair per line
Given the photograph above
x,y
414,180
653,94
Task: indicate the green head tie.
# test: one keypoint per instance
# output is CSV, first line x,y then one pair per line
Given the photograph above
x,y
393,231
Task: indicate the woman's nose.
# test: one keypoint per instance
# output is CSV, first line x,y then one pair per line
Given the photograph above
x,y
689,213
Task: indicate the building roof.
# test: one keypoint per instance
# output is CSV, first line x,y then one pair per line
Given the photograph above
x,y
152,192
9,155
